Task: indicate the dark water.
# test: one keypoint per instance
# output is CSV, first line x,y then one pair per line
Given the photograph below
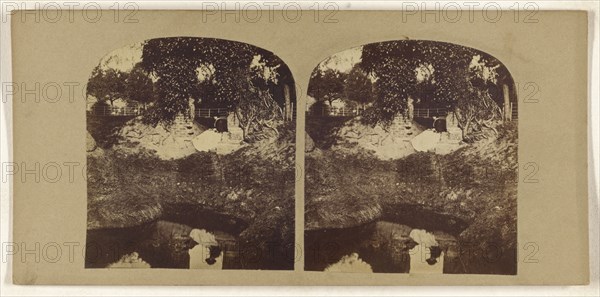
x,y
165,243
384,246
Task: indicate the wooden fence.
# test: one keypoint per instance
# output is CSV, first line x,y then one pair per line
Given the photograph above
x,y
351,112
211,112
115,111
429,112
515,112
104,111
134,111
335,112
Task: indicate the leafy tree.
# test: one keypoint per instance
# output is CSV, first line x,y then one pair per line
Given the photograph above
x,y
240,77
99,107
439,75
327,85
107,85
139,86
358,87
175,85
318,108
475,108
393,64
258,110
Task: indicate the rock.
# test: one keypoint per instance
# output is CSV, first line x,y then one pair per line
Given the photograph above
x,y
454,134
133,134
233,126
207,141
90,143
352,134
232,120
165,142
439,143
386,143
236,133
426,141
374,139
309,144
451,120
221,143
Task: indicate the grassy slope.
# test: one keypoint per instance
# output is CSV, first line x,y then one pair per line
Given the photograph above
x,y
323,130
471,192
103,129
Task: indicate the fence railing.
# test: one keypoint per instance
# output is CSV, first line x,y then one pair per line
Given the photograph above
x,y
515,112
417,113
335,112
429,112
115,111
350,112
137,110
211,112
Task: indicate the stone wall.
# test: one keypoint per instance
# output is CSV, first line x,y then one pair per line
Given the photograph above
x,y
402,128
183,127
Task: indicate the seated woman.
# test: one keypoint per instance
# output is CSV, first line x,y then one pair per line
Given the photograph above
x,y
439,124
221,124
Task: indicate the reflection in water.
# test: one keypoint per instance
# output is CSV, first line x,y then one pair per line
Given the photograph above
x,y
161,244
350,263
132,260
378,247
426,256
207,254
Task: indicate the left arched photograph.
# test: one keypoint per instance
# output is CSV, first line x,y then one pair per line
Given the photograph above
x,y
190,157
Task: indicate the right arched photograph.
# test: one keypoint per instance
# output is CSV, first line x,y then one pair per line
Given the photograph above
x,y
411,161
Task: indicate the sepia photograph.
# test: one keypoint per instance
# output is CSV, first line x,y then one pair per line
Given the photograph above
x,y
411,161
203,145
190,157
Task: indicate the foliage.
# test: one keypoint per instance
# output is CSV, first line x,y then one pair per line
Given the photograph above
x,y
107,85
358,87
324,130
176,84
475,109
99,107
139,87
105,129
436,74
318,108
327,85
207,70
258,110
